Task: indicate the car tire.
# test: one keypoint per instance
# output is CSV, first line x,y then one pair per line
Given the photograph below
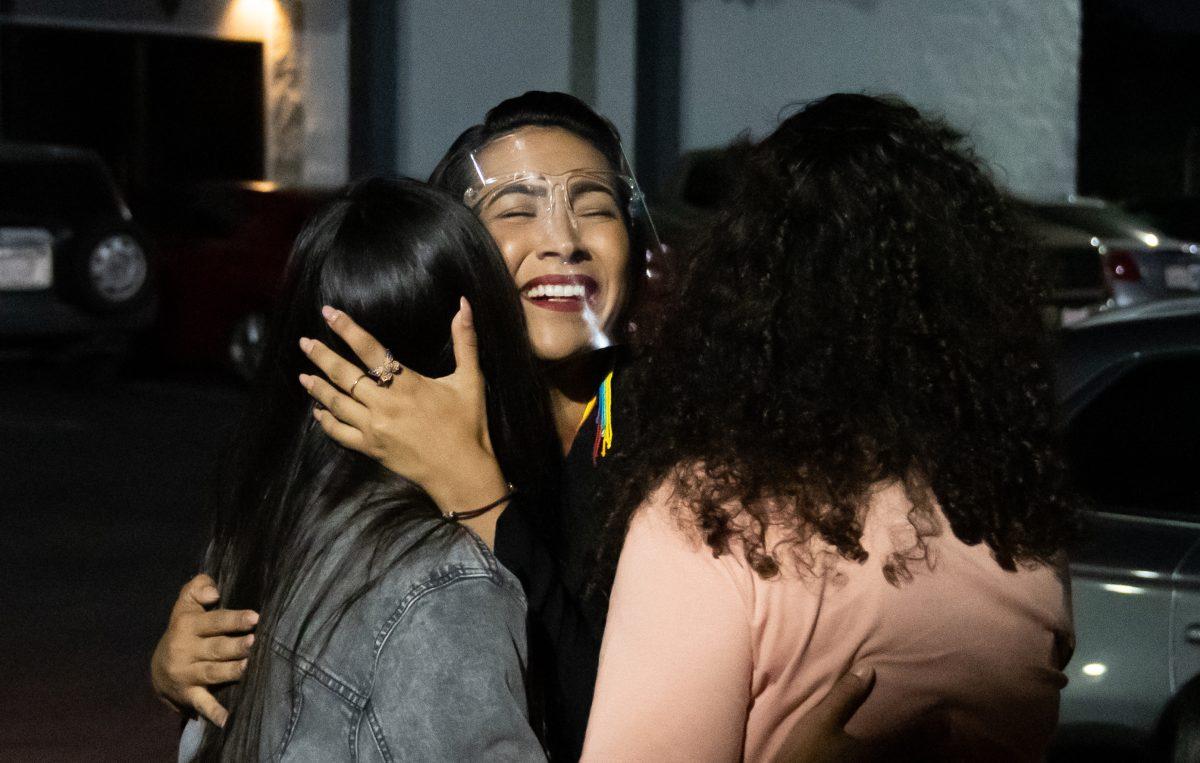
x,y
109,271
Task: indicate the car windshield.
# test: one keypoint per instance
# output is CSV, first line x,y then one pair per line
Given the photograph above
x,y
39,189
1106,222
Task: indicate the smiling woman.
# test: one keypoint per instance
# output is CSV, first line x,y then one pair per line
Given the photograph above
x,y
547,177
558,208
590,203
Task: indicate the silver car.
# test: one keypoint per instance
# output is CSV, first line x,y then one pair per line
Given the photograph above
x,y
1101,252
1128,381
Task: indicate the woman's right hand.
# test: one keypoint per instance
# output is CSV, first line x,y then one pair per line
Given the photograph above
x,y
432,431
200,649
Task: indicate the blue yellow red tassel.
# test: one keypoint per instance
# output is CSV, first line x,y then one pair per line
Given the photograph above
x,y
604,425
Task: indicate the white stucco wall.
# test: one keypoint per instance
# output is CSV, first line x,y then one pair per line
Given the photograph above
x,y
460,57
616,62
323,46
1004,70
326,96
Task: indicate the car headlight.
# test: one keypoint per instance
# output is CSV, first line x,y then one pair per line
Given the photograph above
x,y
117,268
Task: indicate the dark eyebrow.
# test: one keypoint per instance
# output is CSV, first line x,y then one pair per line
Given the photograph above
x,y
588,186
522,188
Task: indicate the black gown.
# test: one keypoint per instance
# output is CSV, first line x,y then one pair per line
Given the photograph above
x,y
553,558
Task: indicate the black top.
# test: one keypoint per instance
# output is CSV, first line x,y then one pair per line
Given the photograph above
x,y
552,557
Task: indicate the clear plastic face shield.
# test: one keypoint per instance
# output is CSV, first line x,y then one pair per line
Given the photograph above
x,y
573,231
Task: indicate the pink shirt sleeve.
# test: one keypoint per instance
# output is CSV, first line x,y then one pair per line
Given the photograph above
x,y
676,663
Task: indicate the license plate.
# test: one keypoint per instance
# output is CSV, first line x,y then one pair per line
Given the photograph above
x,y
26,259
1183,277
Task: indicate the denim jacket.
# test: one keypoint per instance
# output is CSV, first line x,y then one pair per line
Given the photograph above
x,y
428,666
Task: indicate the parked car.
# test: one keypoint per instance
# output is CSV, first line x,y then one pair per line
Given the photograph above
x,y
1098,255
1102,255
1127,381
74,267
225,246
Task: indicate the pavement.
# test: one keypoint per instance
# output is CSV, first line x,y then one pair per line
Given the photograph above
x,y
102,493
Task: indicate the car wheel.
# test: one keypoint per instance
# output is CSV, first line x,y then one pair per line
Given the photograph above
x,y
246,345
112,270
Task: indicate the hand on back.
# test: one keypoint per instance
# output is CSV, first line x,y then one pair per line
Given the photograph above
x,y
820,734
201,648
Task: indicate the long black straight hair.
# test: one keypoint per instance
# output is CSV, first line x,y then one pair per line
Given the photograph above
x,y
396,255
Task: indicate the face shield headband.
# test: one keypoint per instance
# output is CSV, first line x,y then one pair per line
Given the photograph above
x,y
582,211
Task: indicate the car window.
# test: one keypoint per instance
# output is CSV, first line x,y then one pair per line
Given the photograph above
x,y
40,189
1136,447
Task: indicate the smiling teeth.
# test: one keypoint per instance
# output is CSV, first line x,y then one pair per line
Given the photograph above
x,y
556,291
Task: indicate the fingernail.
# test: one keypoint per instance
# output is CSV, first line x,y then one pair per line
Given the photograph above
x,y
252,618
864,673
305,344
250,640
465,307
329,313
210,593
306,381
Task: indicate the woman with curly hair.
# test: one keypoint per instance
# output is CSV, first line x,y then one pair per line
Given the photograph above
x,y
839,450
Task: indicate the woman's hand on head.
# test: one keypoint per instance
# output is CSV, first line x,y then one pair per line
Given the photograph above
x,y
200,649
431,431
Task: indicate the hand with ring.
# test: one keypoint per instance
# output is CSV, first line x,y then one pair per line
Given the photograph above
x,y
431,431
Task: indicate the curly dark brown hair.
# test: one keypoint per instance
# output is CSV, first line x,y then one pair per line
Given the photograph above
x,y
864,310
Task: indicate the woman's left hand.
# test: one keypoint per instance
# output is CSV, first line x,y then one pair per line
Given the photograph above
x,y
431,431
820,735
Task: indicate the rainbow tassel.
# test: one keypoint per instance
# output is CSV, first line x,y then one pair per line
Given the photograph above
x,y
604,426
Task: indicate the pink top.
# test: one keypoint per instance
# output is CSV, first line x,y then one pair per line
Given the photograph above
x,y
703,660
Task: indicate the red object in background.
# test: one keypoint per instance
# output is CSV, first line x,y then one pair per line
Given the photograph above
x,y
223,248
1122,266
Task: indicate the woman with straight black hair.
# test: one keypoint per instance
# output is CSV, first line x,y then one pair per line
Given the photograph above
x,y
569,235
386,630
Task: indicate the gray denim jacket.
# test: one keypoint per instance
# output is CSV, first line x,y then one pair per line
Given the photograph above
x,y
428,666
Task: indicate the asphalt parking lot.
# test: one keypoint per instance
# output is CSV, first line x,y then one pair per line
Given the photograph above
x,y
102,489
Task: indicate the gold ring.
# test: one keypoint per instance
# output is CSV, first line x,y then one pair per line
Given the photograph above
x,y
350,392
